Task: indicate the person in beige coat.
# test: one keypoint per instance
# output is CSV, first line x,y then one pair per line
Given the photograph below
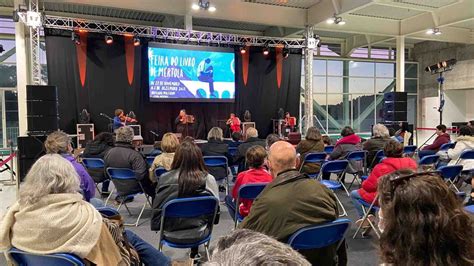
x,y
169,144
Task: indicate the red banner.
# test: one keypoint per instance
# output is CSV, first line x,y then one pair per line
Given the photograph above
x,y
279,62
81,52
130,57
245,64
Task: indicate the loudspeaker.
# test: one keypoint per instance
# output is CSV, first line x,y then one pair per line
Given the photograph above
x,y
395,116
395,97
42,108
395,107
30,148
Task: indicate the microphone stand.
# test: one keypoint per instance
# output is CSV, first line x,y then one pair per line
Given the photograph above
x,y
156,135
111,121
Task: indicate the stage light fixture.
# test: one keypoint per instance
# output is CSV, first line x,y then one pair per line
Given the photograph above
x,y
195,6
136,41
335,20
205,5
108,39
433,31
1,49
212,9
266,51
441,66
285,52
242,50
75,38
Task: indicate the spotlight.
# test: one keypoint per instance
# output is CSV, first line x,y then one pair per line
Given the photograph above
x,y
441,66
109,39
195,6
335,20
205,5
242,50
136,41
212,9
1,49
266,51
75,38
433,31
285,52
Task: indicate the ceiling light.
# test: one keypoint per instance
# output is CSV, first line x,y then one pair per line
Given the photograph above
x,y
242,50
136,41
75,38
212,9
195,6
335,20
266,50
330,21
205,5
285,52
109,39
433,31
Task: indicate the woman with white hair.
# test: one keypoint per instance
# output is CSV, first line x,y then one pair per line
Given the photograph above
x,y
216,146
380,137
51,217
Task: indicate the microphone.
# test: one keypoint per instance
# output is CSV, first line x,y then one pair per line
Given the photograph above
x,y
106,116
154,133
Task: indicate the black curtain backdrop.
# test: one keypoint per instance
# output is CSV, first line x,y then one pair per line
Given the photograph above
x,y
107,88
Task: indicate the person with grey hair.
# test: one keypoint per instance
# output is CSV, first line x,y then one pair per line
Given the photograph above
x,y
291,202
51,217
124,155
216,146
380,136
247,247
252,140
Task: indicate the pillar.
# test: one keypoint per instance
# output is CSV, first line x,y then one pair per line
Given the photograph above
x,y
308,82
188,22
22,56
400,64
346,104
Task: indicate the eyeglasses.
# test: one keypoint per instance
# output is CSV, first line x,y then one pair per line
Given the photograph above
x,y
395,181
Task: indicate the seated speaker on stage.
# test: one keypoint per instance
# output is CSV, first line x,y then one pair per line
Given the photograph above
x,y
121,119
184,124
234,123
290,123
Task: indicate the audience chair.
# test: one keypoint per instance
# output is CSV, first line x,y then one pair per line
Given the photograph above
x,y
358,156
95,168
247,192
233,151
217,162
149,160
466,155
447,146
379,156
469,209
127,175
58,259
314,157
159,172
450,173
367,208
337,167
189,208
428,162
328,149
107,211
409,151
320,236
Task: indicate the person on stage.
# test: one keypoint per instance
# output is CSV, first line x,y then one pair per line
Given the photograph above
x,y
119,119
234,123
181,123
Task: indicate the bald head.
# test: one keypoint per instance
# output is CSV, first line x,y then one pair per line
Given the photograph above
x,y
282,157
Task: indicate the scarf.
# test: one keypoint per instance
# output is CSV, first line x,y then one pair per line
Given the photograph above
x,y
351,139
56,223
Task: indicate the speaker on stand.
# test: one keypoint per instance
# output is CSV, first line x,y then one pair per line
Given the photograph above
x,y
42,109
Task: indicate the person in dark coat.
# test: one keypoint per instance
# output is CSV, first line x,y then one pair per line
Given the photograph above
x,y
97,148
312,143
124,155
275,215
381,136
252,140
216,146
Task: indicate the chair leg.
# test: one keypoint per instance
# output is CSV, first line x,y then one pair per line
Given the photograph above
x,y
110,195
344,213
366,215
451,183
206,247
126,207
139,216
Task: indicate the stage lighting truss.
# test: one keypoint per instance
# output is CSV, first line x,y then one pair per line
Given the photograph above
x,y
168,34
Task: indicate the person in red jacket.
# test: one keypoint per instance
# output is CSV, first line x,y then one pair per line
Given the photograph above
x,y
394,161
441,139
255,159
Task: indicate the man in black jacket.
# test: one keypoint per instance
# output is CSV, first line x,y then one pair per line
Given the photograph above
x,y
252,140
124,155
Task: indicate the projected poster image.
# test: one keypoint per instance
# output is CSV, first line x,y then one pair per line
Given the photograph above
x,y
186,73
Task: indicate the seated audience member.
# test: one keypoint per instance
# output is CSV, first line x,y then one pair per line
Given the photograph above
x,y
97,148
188,178
59,142
247,247
394,161
252,140
470,124
423,222
349,142
403,135
124,155
216,146
442,138
271,138
156,149
235,141
51,217
312,143
465,141
326,140
380,137
255,158
293,201
169,144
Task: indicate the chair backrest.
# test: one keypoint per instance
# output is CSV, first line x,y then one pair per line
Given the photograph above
x,y
335,167
356,156
429,160
233,150
59,259
250,191
159,171
107,211
93,163
120,173
450,171
315,157
378,157
467,155
149,160
328,149
447,146
319,236
409,150
216,161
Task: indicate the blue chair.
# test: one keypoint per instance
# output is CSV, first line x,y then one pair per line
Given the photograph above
x,y
379,156
358,157
429,161
450,173
466,155
118,175
320,236
149,160
219,162
367,207
469,209
159,172
107,211
314,157
337,167
189,208
329,149
409,151
447,146
233,151
248,192
23,258
95,168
